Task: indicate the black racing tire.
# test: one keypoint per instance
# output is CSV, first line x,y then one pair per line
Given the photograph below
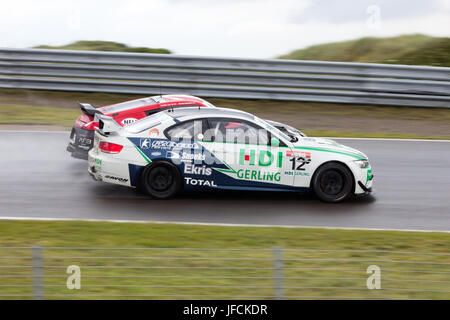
x,y
332,182
161,180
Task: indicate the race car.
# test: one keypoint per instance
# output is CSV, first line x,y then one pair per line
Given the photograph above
x,y
199,149
82,134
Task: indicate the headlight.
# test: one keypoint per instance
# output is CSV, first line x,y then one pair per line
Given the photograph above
x,y
362,163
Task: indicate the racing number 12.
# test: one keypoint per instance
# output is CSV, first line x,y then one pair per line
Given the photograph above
x,y
302,162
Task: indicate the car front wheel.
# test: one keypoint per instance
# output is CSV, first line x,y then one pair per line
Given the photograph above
x,y
332,182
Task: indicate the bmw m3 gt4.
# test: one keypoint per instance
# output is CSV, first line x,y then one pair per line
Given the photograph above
x,y
199,149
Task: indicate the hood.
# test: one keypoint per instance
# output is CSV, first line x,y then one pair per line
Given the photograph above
x,y
328,144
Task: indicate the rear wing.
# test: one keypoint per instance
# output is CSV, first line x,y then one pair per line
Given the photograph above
x,y
106,124
88,109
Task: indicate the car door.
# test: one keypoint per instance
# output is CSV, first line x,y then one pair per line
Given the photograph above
x,y
254,156
187,153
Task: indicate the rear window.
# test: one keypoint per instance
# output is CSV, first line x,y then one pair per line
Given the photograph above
x,y
147,123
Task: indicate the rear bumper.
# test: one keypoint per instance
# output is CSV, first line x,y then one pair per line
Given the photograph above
x,y
106,168
81,141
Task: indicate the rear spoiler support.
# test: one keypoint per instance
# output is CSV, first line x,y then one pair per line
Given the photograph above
x,y
88,109
106,124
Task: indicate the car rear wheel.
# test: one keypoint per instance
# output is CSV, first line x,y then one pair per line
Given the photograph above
x,y
332,182
161,180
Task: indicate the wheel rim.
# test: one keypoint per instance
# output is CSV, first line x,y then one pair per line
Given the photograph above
x,y
160,178
332,182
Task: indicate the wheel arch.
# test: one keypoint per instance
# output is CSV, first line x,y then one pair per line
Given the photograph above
x,y
334,161
158,162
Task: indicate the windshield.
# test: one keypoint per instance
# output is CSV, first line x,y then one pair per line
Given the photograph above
x,y
293,131
271,128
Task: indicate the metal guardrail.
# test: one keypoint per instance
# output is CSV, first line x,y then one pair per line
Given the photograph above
x,y
220,273
139,73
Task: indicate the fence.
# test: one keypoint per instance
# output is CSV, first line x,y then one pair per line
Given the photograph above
x,y
139,73
218,273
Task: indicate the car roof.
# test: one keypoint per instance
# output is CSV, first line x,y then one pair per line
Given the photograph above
x,y
155,101
186,113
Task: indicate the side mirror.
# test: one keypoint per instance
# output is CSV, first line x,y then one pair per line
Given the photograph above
x,y
274,142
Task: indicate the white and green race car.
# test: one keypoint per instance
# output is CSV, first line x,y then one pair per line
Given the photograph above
x,y
200,149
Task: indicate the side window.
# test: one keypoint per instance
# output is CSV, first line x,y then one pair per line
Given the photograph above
x,y
236,131
191,130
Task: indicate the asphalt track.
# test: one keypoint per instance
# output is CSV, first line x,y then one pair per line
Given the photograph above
x,y
38,179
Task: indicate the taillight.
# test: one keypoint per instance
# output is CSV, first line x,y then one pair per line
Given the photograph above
x,y
91,125
109,147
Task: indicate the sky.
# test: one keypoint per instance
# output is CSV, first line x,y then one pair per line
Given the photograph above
x,y
228,28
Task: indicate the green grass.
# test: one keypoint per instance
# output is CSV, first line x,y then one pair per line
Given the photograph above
x,y
300,108
316,119
103,46
15,114
413,49
218,272
61,117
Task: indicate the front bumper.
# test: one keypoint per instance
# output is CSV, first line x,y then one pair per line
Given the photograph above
x,y
81,141
363,179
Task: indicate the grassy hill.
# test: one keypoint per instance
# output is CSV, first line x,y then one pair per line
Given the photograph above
x,y
104,46
413,49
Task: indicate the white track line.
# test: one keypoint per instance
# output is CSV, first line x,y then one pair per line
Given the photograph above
x,y
336,138
213,224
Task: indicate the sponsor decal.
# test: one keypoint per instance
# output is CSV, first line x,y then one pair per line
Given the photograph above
x,y
156,154
298,159
148,143
145,143
128,121
98,164
199,182
297,173
173,155
292,153
258,175
369,174
83,140
153,133
264,158
185,156
116,178
166,144
192,169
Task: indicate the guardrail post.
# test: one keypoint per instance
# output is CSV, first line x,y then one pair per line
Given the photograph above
x,y
278,280
38,271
